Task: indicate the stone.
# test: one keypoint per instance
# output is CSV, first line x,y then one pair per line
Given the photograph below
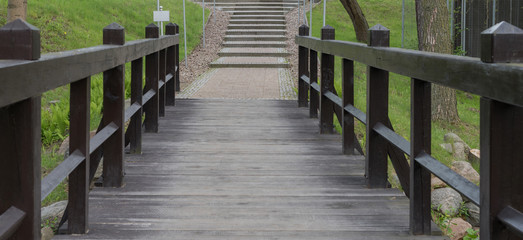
x,y
466,170
47,233
460,150
447,200
473,211
436,183
447,147
474,155
458,228
55,210
452,138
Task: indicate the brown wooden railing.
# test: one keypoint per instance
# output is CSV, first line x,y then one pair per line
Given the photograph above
x,y
500,85
27,75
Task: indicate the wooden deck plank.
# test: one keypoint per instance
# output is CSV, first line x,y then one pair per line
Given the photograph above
x,y
244,169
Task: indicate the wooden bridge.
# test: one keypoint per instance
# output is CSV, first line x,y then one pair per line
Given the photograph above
x,y
252,169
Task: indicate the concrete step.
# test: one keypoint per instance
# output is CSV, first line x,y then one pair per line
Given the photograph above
x,y
253,52
254,44
257,26
250,62
256,32
256,8
244,38
256,21
249,4
269,13
250,17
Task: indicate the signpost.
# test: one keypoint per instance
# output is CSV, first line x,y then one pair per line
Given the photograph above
x,y
160,17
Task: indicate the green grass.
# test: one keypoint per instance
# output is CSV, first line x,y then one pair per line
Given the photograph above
x,y
67,25
388,14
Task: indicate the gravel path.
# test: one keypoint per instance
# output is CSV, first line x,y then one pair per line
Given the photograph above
x,y
199,59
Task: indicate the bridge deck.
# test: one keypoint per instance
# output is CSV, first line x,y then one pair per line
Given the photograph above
x,y
244,169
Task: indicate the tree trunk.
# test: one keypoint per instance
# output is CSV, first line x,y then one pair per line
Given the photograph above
x,y
358,19
16,9
434,36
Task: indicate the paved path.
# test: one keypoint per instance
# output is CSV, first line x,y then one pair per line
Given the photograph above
x,y
244,169
252,63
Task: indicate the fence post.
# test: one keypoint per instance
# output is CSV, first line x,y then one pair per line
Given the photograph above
x,y
135,126
377,111
348,136
177,59
303,65
151,108
170,87
327,84
113,111
162,72
420,134
501,138
314,100
20,139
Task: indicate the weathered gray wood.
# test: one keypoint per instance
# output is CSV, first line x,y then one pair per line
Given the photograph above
x,y
244,169
10,220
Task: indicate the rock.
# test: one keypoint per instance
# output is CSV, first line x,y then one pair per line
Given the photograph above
x,y
447,200
460,150
47,233
458,228
437,183
447,147
474,155
466,170
473,212
54,210
452,138
127,103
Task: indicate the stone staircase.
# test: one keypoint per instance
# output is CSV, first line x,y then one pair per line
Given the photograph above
x,y
256,34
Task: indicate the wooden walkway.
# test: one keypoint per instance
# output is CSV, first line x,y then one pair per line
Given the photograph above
x,y
244,169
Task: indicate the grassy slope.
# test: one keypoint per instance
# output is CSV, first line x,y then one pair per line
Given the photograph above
x,y
388,13
67,25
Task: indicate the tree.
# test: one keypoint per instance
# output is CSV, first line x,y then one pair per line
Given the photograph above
x,y
358,19
16,9
434,36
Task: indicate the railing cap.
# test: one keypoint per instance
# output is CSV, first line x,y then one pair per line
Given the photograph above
x,y
114,34
19,40
502,42
327,33
379,36
303,30
152,31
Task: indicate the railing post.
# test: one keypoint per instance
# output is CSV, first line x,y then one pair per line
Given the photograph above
x,y
348,136
377,111
113,111
314,100
501,138
170,87
327,85
135,126
79,105
151,108
420,134
303,65
162,72
177,59
20,140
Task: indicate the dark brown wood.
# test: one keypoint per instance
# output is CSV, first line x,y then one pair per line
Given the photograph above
x,y
303,65
170,88
79,128
20,139
507,39
152,61
113,112
347,84
114,34
513,220
10,220
20,40
420,133
377,111
501,138
327,84
135,126
399,162
446,70
314,97
177,61
161,90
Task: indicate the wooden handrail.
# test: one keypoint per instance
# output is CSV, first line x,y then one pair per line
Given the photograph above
x,y
499,84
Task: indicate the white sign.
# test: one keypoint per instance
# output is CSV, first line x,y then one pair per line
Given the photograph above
x,y
161,16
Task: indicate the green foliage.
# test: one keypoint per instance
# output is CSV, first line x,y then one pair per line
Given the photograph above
x,y
471,234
